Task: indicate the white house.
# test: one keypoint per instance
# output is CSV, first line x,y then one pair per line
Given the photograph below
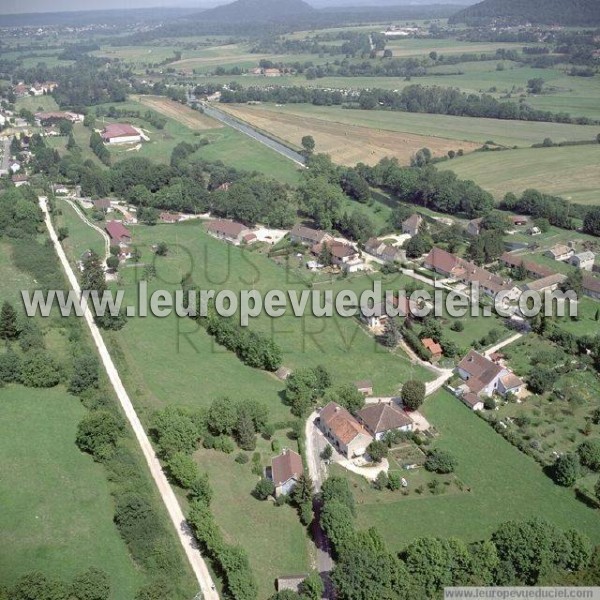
x,y
382,418
286,469
583,260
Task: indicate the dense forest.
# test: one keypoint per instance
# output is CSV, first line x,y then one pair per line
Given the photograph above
x,y
563,12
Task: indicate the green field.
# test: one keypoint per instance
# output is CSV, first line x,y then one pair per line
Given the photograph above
x,y
37,103
276,542
226,144
509,133
571,172
57,510
81,236
504,484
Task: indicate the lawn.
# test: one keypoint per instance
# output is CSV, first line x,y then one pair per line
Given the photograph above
x,y
56,506
571,172
37,103
276,542
13,280
188,368
81,236
504,484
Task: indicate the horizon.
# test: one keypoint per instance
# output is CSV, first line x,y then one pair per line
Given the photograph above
x,y
14,7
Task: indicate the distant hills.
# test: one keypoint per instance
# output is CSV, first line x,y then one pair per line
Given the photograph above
x,y
560,12
251,11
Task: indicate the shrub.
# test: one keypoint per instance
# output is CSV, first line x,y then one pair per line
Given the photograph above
x,y
264,488
377,451
589,454
39,370
566,470
10,367
241,458
183,469
413,394
98,433
440,461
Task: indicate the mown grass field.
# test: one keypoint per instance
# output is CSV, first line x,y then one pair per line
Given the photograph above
x,y
193,370
276,542
571,172
504,485
57,510
479,131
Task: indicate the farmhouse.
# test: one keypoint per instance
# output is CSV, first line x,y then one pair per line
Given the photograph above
x,y
533,269
344,431
52,117
121,133
343,255
464,271
285,471
412,225
382,418
307,236
230,231
559,252
118,233
583,260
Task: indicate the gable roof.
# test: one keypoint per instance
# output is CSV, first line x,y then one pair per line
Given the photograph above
x,y
341,423
413,221
560,249
585,256
226,228
314,235
382,417
540,285
510,381
116,230
432,346
117,130
481,370
286,466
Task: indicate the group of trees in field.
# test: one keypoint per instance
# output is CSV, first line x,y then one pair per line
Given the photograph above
x,y
517,553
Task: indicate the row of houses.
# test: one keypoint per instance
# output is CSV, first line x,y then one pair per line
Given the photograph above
x,y
591,284
451,266
231,232
37,89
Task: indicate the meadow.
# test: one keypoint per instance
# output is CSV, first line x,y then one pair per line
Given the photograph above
x,y
500,482
571,172
445,127
56,505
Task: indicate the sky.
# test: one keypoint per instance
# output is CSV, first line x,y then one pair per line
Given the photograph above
x,y
23,6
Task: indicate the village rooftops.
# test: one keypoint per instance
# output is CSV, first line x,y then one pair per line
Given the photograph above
x,y
382,417
341,423
286,466
540,285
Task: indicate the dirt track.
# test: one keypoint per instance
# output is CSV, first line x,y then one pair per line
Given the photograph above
x,y
178,112
346,144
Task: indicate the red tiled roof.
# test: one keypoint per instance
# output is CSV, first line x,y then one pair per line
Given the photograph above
x,y
117,130
117,231
341,423
432,346
286,466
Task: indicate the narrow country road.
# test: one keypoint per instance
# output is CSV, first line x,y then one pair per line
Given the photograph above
x,y
92,225
317,473
501,345
168,496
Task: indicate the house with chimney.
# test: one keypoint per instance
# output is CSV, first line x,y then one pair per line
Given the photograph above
x,y
349,437
285,472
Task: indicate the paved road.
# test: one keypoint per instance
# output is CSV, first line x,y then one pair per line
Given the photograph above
x,y
172,505
243,127
314,446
